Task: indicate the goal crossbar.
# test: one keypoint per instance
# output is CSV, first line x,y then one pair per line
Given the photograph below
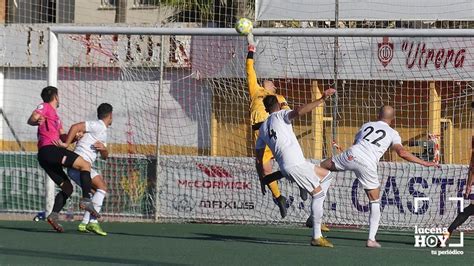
x,y
296,32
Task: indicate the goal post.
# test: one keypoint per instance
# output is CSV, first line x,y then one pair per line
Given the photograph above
x,y
52,81
183,115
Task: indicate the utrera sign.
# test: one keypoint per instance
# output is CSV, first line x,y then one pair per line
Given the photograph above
x,y
365,58
423,55
385,52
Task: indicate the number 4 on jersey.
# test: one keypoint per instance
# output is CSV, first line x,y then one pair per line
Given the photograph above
x,y
272,134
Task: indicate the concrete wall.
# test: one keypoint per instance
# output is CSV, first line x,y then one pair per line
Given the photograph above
x,y
92,12
185,104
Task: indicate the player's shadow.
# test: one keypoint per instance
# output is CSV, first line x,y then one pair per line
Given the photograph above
x,y
29,230
221,238
75,258
46,230
364,238
255,240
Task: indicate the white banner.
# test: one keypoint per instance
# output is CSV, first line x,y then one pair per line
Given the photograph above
x,y
227,189
365,10
359,58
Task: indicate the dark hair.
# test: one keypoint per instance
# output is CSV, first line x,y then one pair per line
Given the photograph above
x,y
48,93
103,110
269,101
472,105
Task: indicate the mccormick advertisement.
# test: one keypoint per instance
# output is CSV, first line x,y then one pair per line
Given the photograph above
x,y
227,189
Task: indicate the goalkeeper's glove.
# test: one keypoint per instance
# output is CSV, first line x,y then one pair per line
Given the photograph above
x,y
252,44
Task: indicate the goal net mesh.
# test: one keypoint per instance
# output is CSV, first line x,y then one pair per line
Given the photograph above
x,y
196,111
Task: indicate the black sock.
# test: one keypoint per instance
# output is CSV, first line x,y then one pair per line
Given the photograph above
x,y
60,201
86,184
461,218
272,177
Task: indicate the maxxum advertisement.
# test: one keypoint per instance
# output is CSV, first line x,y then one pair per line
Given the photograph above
x,y
227,189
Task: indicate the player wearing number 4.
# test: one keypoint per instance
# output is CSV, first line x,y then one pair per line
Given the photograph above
x,y
276,132
371,142
257,116
92,142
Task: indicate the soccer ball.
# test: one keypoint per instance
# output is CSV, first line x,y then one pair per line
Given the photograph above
x,y
244,26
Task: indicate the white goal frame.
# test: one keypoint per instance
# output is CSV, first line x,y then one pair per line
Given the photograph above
x,y
54,31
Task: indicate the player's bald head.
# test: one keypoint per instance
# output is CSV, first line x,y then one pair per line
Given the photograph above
x,y
387,113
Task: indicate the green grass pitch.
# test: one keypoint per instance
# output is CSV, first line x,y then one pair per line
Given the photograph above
x,y
209,244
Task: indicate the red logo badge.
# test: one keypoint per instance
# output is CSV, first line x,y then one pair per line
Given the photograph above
x,y
385,52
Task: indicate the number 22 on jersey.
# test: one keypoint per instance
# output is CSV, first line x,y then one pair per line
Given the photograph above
x,y
379,135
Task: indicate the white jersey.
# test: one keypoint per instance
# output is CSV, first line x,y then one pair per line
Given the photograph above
x,y
95,131
373,140
277,133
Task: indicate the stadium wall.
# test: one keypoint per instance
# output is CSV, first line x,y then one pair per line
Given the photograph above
x,y
222,189
25,75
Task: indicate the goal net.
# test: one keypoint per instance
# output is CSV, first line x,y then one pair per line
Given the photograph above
x,y
181,143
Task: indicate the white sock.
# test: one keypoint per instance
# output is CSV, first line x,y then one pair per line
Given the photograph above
x,y
326,183
97,199
374,218
86,217
317,213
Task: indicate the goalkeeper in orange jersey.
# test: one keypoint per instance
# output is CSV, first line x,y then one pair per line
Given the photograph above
x,y
257,116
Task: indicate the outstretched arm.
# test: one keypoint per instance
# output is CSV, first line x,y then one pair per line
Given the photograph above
x,y
400,150
304,109
251,74
75,130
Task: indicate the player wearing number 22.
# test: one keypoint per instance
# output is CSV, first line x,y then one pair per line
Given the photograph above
x,y
371,142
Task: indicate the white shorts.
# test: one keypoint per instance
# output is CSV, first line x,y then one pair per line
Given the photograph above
x,y
75,175
304,175
365,171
